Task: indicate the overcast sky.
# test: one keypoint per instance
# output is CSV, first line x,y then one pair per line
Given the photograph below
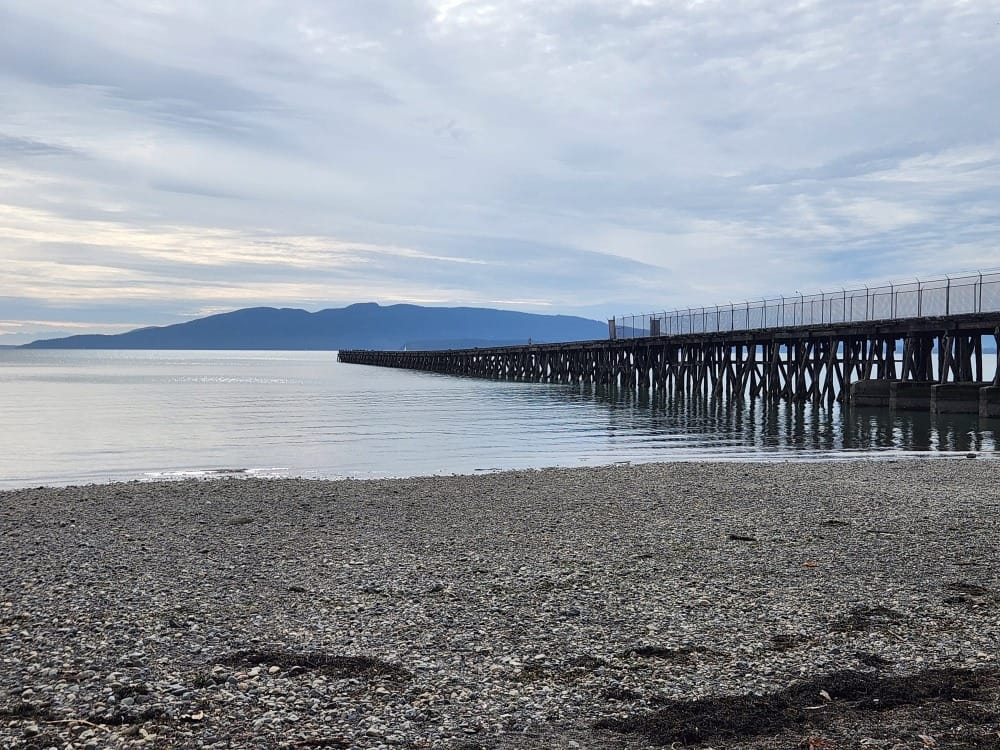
x,y
166,159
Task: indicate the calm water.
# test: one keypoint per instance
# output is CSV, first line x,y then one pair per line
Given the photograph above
x,y
86,416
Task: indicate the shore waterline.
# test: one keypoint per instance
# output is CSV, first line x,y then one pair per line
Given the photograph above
x,y
73,417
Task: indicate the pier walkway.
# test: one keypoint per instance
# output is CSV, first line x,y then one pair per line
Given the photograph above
x,y
916,345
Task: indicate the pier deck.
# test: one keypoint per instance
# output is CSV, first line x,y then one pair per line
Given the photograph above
x,y
731,351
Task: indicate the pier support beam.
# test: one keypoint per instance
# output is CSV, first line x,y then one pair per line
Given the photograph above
x,y
911,395
989,401
871,393
960,398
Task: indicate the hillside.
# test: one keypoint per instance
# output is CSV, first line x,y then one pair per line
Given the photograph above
x,y
360,326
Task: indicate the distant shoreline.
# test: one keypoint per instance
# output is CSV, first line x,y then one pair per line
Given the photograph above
x,y
45,346
364,325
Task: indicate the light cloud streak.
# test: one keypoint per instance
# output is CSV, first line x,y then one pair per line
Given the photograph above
x,y
578,156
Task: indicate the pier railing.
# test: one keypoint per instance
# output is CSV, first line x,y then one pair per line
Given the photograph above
x,y
976,292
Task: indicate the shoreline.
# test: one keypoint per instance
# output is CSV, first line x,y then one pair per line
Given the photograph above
x,y
262,474
496,610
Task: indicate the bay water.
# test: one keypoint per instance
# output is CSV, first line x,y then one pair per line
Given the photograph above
x,y
72,417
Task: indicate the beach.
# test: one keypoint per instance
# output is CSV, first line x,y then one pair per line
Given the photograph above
x,y
556,608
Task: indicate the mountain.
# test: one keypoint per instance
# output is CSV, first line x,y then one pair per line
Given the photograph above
x,y
361,326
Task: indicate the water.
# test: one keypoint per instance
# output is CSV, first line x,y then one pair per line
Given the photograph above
x,y
71,417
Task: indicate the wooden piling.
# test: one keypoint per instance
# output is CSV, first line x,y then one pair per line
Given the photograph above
x,y
814,365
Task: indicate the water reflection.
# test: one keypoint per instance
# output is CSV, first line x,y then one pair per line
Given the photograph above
x,y
718,424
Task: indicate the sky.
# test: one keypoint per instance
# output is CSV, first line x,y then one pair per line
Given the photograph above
x,y
162,160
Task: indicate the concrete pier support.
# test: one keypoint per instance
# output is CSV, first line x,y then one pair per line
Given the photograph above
x,y
911,395
871,393
954,398
989,401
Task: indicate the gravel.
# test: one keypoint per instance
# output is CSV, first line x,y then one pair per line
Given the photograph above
x,y
509,610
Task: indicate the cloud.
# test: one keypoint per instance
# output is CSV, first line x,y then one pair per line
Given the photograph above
x,y
587,156
12,147
91,262
48,55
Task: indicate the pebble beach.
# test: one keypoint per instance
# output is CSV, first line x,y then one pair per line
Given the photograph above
x,y
536,609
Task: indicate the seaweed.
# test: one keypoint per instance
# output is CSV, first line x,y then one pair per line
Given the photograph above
x,y
873,660
863,618
806,703
620,694
328,664
787,641
682,654
26,710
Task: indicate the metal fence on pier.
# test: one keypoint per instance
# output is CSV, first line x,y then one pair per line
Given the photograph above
x,y
976,292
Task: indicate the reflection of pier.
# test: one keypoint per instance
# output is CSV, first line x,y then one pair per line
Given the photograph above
x,y
826,354
783,426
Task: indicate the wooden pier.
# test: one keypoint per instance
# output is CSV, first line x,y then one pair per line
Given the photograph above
x,y
941,364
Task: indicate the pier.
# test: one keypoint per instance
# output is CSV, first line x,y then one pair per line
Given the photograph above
x,y
916,345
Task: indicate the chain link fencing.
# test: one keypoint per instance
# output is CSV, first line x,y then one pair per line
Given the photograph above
x,y
976,292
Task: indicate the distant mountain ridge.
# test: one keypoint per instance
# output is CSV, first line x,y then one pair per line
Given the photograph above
x,y
365,325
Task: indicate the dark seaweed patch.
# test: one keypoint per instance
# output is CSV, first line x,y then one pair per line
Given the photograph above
x,y
586,662
872,660
620,694
26,710
337,666
660,652
973,589
127,717
804,704
787,641
531,672
568,671
865,618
